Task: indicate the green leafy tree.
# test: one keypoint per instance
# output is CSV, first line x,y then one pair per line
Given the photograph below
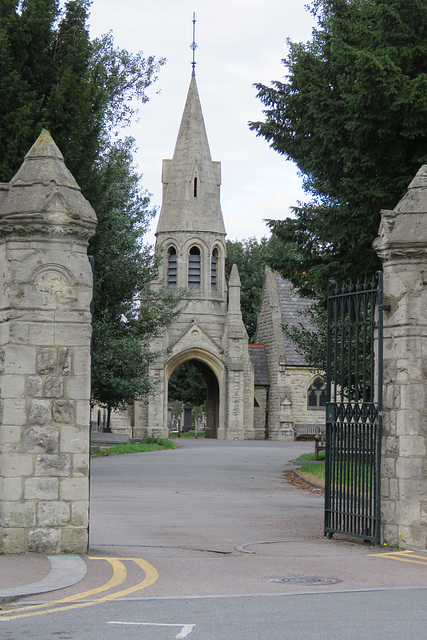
x,y
187,384
351,113
84,92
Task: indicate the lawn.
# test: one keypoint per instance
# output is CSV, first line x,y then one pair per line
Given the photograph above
x,y
150,444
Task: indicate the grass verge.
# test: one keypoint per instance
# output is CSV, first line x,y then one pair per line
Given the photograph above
x,y
187,434
310,456
316,469
150,444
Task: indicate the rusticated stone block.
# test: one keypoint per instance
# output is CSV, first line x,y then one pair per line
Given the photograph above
x,y
53,465
41,489
83,412
78,387
73,489
79,513
81,465
53,513
64,361
388,467
74,540
40,412
17,514
13,540
14,465
13,386
41,439
10,435
12,489
412,446
391,445
14,411
47,360
43,541
409,467
75,439
63,411
34,386
54,387
20,359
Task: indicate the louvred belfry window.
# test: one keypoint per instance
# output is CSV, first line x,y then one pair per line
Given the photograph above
x,y
214,269
194,268
172,268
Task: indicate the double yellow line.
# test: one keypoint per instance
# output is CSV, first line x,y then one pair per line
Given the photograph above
x,y
402,556
119,576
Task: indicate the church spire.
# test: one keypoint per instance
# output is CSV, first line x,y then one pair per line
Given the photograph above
x,y
191,180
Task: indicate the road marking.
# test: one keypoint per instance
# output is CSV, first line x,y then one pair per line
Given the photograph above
x,y
186,629
402,556
151,576
118,577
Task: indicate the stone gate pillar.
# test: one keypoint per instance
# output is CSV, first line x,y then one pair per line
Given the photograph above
x,y
402,246
45,333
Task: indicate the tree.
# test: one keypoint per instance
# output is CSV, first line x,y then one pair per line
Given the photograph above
x,y
188,384
351,114
52,75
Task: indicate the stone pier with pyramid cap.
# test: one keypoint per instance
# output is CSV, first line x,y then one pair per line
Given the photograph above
x,y
402,246
45,330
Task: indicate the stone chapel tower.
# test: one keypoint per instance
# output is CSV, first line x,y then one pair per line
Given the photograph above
x,y
209,331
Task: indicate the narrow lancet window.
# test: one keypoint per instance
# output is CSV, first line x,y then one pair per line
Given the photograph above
x,y
194,268
172,268
195,187
214,269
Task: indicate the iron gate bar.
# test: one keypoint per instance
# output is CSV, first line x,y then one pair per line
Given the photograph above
x,y
354,409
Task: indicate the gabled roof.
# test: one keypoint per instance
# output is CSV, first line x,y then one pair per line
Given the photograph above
x,y
257,354
292,308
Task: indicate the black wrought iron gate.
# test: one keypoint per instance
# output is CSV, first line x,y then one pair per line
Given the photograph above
x,y
354,409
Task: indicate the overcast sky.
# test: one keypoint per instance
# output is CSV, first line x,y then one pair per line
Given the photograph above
x,y
240,42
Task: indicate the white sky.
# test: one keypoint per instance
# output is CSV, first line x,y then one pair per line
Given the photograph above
x,y
240,42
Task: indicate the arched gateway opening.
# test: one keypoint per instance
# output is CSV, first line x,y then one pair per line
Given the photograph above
x,y
213,372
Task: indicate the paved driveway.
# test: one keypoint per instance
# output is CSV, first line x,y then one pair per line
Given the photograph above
x,y
217,517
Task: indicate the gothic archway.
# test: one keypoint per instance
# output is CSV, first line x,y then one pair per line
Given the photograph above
x,y
213,372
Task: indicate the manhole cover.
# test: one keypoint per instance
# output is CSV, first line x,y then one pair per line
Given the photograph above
x,y
307,580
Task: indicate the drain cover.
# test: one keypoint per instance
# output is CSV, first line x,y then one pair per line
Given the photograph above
x,y
306,580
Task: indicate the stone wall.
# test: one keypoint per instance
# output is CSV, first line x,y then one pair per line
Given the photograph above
x,y
288,383
402,246
45,331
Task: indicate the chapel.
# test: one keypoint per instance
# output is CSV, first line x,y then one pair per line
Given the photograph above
x,y
254,391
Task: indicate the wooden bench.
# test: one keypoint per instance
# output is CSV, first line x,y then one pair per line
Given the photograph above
x,y
314,432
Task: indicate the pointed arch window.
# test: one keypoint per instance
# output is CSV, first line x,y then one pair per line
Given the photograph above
x,y
195,187
214,269
316,394
172,268
194,268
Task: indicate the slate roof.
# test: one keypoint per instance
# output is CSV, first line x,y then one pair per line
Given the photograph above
x,y
257,354
292,308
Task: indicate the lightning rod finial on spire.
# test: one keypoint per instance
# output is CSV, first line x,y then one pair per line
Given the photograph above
x,y
193,45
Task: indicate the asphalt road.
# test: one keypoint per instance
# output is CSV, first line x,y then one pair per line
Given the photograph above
x,y
211,541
